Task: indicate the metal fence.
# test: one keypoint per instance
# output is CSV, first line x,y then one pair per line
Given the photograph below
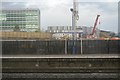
x,y
49,47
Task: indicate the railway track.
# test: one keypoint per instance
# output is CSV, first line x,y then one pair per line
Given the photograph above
x,y
62,70
113,76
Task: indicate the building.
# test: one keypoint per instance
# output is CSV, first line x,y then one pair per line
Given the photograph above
x,y
26,19
108,34
119,35
63,29
119,19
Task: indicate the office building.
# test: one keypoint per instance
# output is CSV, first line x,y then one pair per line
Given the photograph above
x,y
27,20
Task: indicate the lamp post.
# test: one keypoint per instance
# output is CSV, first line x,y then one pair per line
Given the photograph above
x,y
74,21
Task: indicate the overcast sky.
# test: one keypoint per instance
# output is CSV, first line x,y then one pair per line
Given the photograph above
x,y
57,12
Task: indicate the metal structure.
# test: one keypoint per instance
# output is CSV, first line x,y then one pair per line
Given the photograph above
x,y
93,30
95,24
75,17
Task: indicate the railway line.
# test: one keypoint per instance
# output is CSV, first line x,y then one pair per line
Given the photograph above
x,y
64,76
62,70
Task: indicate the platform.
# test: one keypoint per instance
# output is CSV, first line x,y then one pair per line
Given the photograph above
x,y
64,56
61,63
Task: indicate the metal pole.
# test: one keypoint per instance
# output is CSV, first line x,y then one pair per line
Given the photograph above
x,y
73,47
74,21
81,44
74,25
74,8
65,46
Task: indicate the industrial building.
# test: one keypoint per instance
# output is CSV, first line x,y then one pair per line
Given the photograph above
x,y
64,29
107,34
28,20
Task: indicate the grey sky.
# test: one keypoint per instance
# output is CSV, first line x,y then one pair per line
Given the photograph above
x,y
57,12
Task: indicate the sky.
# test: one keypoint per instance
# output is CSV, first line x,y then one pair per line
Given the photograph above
x,y
57,12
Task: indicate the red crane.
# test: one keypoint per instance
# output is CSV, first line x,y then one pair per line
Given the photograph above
x,y
93,30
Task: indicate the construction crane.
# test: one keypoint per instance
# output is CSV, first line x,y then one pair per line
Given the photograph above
x,y
93,30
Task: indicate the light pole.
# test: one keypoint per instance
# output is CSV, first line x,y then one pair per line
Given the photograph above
x,y
74,21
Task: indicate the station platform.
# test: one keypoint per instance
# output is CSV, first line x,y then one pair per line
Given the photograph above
x,y
92,63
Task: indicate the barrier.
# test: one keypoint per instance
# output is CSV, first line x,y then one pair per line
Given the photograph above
x,y
49,47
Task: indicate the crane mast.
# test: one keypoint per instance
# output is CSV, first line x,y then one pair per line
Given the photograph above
x,y
91,35
95,24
